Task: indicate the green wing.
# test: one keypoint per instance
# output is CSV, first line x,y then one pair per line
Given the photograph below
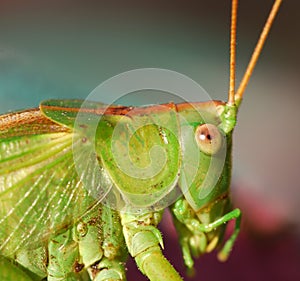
x,y
40,190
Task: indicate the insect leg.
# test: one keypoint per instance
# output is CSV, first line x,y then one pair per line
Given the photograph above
x,y
224,253
63,257
196,242
101,244
144,242
108,270
193,244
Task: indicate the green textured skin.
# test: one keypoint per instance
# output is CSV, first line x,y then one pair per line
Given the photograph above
x,y
47,213
139,148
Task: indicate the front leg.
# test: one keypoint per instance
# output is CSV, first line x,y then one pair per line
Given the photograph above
x,y
144,243
192,231
101,244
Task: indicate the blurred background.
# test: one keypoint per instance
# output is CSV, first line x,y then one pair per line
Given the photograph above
x,y
64,49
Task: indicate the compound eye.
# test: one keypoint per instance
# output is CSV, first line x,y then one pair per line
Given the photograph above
x,y
209,139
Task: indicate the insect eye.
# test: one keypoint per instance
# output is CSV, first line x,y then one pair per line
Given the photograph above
x,y
209,139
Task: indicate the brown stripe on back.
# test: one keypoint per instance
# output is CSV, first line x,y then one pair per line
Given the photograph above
x,y
28,122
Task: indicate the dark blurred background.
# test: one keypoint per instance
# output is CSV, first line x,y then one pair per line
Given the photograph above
x,y
64,49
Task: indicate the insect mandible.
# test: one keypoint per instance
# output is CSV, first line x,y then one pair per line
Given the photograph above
x,y
61,224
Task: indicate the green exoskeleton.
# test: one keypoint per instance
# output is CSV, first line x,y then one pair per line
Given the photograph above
x,y
78,194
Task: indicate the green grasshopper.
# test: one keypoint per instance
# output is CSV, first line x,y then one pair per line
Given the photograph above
x,y
76,194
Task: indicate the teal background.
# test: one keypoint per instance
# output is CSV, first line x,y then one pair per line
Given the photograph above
x,y
64,49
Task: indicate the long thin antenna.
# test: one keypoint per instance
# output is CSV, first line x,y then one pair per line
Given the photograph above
x,y
231,94
257,51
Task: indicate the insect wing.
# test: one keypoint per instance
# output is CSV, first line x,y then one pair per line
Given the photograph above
x,y
40,191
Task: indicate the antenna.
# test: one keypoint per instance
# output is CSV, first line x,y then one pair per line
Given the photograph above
x,y
257,51
231,94
237,98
